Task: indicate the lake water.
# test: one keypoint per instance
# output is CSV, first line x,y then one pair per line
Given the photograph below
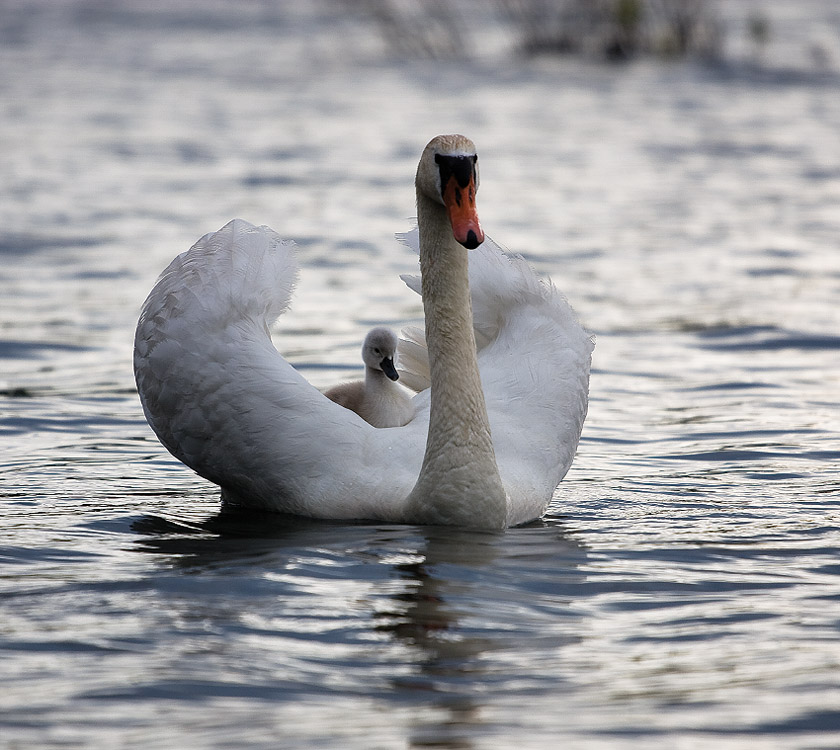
x,y
684,589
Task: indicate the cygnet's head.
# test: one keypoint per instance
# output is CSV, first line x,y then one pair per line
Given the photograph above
x,y
379,352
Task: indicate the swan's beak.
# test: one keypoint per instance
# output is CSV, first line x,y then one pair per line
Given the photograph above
x,y
460,205
387,366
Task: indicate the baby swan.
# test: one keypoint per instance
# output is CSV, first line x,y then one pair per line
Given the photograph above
x,y
377,399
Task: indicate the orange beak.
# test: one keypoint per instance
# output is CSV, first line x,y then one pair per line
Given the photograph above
x,y
460,205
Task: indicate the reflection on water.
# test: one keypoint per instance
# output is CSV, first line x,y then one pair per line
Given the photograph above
x,y
456,605
684,591
446,618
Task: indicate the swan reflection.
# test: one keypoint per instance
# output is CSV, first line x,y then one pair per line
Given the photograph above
x,y
436,622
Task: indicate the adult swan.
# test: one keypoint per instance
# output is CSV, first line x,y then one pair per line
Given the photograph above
x,y
492,437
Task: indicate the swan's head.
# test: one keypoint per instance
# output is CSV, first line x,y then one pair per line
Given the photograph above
x,y
448,174
379,352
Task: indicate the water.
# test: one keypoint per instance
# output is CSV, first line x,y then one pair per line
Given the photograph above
x,y
684,589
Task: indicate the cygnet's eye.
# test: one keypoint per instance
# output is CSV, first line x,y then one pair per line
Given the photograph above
x,y
376,351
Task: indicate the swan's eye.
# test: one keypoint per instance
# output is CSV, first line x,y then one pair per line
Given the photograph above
x,y
462,168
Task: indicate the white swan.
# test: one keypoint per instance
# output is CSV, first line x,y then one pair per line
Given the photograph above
x,y
223,401
377,399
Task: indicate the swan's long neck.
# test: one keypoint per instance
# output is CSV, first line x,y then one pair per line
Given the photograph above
x,y
459,481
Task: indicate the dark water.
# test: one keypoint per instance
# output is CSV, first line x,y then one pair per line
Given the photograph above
x,y
684,590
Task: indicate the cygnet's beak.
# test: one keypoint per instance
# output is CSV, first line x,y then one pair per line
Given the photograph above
x,y
387,366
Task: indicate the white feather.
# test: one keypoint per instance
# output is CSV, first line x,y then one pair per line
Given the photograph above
x,y
223,401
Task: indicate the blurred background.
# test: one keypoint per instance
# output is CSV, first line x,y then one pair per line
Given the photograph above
x,y
673,166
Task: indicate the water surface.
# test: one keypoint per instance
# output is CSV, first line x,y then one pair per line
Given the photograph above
x,y
684,589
